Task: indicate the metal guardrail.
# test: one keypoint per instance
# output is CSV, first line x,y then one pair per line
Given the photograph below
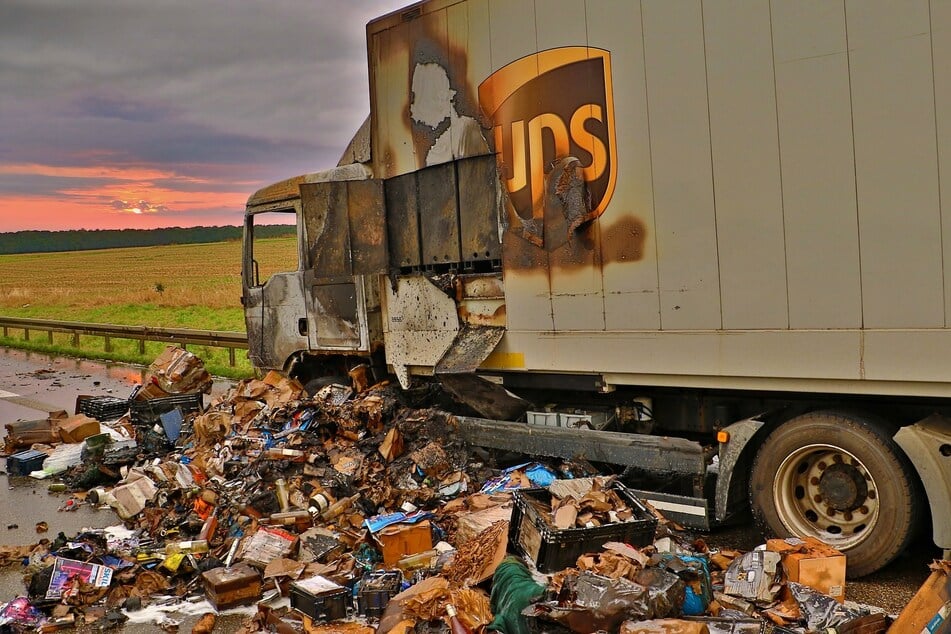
x,y
219,339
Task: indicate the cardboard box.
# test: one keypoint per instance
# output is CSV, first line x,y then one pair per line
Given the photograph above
x,y
23,434
177,371
400,540
930,609
228,587
812,563
78,428
130,498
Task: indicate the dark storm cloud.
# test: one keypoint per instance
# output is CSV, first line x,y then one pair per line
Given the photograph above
x,y
32,184
124,108
270,89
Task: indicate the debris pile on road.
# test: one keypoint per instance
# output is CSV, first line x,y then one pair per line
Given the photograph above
x,y
359,509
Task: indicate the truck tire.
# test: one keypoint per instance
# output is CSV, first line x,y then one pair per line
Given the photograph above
x,y
838,477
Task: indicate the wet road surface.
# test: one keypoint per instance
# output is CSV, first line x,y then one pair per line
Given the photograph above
x,y
32,384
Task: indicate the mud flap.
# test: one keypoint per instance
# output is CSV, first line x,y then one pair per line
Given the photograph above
x,y
924,444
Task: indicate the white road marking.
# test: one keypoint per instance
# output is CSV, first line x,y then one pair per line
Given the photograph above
x,y
28,403
675,507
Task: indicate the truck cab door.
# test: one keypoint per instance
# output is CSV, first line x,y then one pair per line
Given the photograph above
x,y
273,295
345,228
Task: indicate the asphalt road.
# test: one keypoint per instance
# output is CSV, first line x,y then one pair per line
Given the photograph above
x,y
31,384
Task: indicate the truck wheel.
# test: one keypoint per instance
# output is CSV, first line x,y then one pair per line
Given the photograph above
x,y
838,477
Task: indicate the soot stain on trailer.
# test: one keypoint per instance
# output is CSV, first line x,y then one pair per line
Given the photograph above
x,y
437,76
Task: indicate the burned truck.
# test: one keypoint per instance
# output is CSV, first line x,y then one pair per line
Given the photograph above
x,y
703,241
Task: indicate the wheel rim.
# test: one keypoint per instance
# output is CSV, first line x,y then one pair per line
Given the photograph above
x,y
826,492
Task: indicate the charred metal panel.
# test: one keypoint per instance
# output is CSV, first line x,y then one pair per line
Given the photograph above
x,y
367,227
327,228
420,323
478,208
472,345
573,242
336,315
652,453
359,149
254,317
282,306
484,397
439,215
481,299
345,225
403,221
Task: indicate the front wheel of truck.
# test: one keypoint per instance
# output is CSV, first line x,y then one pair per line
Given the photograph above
x,y
838,477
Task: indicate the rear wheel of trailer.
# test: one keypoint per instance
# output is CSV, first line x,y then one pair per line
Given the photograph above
x,y
841,478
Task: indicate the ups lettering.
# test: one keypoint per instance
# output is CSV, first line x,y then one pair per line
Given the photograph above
x,y
528,153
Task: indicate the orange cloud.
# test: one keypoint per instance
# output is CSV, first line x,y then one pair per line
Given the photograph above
x,y
56,214
118,197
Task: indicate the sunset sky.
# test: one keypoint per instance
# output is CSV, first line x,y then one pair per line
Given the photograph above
x,y
157,113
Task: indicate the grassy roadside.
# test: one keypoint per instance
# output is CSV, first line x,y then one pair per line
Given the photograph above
x,y
127,351
196,286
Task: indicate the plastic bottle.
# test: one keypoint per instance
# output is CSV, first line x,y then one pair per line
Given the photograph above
x,y
455,625
209,527
282,494
321,501
279,453
190,547
338,507
300,518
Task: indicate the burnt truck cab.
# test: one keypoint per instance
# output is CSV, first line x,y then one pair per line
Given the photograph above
x,y
298,319
380,267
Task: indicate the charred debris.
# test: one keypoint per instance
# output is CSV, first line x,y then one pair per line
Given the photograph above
x,y
363,509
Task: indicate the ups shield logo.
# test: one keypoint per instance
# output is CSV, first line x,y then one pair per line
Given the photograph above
x,y
547,106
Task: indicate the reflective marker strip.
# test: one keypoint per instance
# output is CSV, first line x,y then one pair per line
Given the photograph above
x,y
675,507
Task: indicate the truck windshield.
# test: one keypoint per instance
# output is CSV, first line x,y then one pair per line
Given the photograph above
x,y
270,244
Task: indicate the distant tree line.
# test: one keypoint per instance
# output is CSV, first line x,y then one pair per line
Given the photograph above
x,y
84,239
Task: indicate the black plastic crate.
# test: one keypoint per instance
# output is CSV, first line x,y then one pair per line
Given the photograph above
x,y
551,549
149,412
25,462
320,599
376,590
102,408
